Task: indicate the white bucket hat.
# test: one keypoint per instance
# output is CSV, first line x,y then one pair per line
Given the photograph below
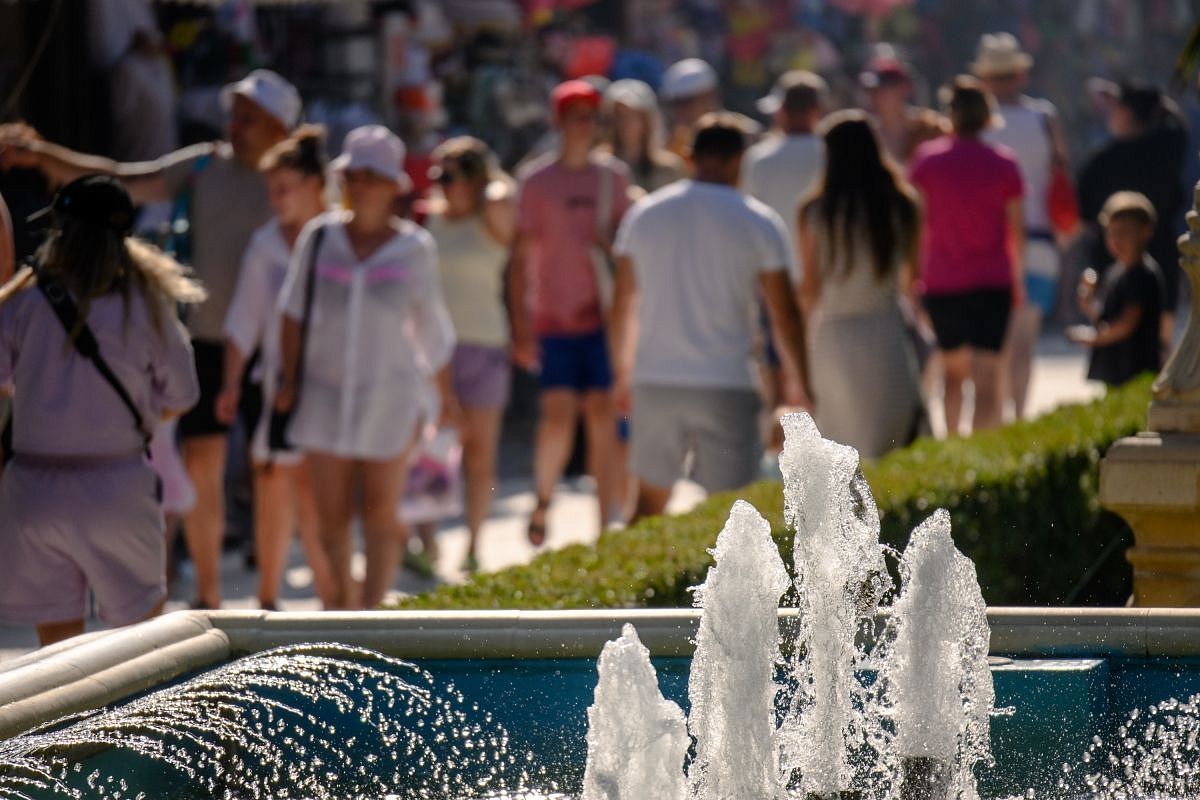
x,y
687,78
1000,54
269,91
633,93
376,149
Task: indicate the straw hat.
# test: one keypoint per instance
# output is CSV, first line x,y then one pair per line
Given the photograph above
x,y
1000,54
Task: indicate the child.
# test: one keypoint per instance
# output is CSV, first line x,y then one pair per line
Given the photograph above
x,y
1127,309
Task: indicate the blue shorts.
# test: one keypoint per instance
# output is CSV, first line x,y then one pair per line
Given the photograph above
x,y
577,362
1041,292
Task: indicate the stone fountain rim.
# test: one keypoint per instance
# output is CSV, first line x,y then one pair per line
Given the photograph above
x,y
91,671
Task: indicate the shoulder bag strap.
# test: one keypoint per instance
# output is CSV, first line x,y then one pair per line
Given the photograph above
x,y
87,346
310,290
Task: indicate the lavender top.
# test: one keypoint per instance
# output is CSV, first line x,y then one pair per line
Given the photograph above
x,y
62,406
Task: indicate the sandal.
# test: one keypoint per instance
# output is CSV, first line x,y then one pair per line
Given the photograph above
x,y
537,523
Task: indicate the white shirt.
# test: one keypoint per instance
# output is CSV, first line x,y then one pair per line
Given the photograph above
x,y
698,250
254,320
779,171
1026,132
378,332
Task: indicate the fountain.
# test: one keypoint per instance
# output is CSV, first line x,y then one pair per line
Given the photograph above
x,y
867,691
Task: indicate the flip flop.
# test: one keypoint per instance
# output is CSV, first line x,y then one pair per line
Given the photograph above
x,y
537,530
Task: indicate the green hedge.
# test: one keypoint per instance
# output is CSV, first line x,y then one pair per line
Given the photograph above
x,y
1023,499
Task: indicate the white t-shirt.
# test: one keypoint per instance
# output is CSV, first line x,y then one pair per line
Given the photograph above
x,y
378,332
779,171
698,250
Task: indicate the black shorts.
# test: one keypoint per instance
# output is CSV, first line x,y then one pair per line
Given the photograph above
x,y
210,369
977,319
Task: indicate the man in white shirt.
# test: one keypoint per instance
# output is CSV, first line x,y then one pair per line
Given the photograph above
x,y
693,259
781,169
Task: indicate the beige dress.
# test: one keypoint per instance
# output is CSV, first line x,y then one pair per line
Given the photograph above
x,y
863,367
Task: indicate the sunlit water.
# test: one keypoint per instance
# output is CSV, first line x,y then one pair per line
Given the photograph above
x,y
829,708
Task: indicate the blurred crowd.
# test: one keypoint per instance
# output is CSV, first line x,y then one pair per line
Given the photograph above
x,y
676,259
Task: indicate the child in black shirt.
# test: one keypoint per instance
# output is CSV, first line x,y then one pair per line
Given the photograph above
x,y
1127,308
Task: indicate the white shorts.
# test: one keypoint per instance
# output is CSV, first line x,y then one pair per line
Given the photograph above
x,y
71,529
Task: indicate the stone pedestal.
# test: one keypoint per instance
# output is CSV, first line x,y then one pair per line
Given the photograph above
x,y
1153,482
1153,479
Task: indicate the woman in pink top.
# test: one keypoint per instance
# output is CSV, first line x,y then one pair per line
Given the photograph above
x,y
973,238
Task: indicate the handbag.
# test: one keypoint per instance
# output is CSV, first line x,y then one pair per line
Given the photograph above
x,y
277,425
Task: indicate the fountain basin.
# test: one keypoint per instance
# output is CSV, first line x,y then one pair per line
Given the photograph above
x,y
1068,674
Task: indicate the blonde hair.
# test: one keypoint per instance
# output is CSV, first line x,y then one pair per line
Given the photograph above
x,y
92,261
1128,205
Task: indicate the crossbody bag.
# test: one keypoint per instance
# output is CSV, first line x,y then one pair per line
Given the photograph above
x,y
87,346
277,427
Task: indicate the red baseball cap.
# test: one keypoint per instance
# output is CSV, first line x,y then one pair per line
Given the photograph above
x,y
570,92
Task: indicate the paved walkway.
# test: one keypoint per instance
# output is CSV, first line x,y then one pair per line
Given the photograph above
x,y
1058,379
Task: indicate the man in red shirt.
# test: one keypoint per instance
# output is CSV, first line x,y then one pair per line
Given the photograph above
x,y
569,205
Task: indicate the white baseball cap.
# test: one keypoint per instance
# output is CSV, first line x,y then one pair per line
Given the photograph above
x,y
269,91
687,78
633,93
375,149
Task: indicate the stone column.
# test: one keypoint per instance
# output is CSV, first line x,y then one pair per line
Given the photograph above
x,y
1153,479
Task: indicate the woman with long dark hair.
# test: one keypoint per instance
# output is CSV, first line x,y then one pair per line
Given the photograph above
x,y
94,356
858,235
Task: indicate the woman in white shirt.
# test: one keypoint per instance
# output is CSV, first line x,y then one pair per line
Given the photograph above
x,y
472,221
362,381
283,500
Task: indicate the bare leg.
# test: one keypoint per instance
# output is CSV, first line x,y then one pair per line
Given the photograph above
x,y
986,375
386,536
956,368
274,524
333,490
204,526
600,425
480,443
1023,331
651,501
310,536
558,409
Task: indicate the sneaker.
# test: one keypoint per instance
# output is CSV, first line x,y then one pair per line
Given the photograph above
x,y
419,563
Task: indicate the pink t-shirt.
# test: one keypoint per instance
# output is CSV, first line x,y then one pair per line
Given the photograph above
x,y
556,210
967,185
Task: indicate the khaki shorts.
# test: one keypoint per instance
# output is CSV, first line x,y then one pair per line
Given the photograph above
x,y
718,428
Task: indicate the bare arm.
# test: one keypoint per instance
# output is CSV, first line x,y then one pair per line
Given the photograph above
x,y
1106,333
810,280
500,219
787,323
1015,211
523,342
622,328
21,146
231,383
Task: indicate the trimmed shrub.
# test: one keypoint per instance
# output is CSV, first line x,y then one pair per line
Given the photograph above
x,y
1024,501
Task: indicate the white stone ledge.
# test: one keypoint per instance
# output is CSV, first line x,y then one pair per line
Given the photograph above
x,y
90,672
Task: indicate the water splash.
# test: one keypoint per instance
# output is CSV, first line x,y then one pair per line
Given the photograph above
x,y
731,687
936,669
637,740
841,579
316,721
1156,754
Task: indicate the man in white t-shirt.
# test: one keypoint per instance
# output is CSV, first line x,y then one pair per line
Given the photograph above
x,y
783,168
693,259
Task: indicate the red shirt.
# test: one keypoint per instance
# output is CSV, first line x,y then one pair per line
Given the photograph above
x,y
967,185
556,210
